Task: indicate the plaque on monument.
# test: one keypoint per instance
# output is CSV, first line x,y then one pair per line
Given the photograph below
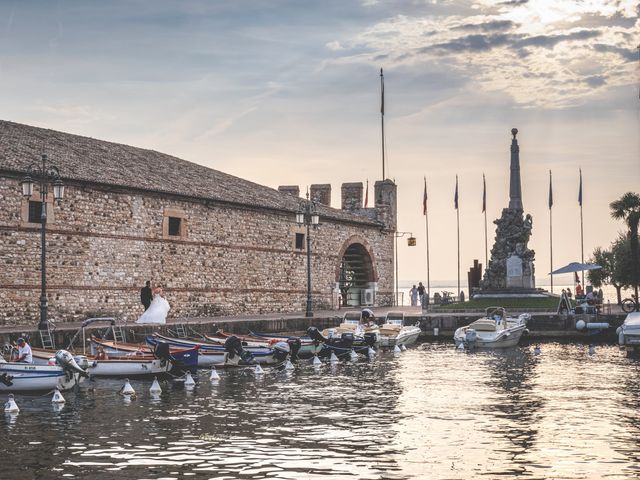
x,y
514,272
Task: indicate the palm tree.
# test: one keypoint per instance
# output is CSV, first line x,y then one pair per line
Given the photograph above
x,y
627,208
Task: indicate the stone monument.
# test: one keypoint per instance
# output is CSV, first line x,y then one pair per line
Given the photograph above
x,y
511,267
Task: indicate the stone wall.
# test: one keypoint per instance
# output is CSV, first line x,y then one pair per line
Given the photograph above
x,y
103,243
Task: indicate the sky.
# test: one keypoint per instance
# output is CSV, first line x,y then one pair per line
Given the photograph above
x,y
288,93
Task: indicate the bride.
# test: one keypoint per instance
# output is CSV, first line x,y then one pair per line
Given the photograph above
x,y
157,311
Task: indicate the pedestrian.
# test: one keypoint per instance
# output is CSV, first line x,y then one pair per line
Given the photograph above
x,y
24,352
146,295
421,291
414,296
569,294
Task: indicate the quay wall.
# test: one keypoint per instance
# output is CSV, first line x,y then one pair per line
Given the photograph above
x,y
104,242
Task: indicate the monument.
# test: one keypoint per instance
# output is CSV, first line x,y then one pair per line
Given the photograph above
x,y
511,269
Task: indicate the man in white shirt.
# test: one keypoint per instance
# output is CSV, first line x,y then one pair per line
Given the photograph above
x,y
24,352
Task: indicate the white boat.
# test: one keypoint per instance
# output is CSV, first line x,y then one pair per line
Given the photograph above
x,y
395,331
27,377
354,323
629,333
494,330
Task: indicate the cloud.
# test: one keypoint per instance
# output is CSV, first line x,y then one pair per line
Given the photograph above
x,y
628,54
549,41
595,80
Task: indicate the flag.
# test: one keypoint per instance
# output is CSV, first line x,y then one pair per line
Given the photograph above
x,y
424,197
484,194
550,192
366,195
580,190
455,197
381,92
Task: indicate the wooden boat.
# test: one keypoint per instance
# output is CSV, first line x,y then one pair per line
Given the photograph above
x,y
494,330
395,331
301,346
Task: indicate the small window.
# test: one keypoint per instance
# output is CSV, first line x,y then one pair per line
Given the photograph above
x,y
35,211
300,241
174,226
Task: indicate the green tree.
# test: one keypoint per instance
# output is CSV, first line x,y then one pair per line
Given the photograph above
x,y
627,208
616,266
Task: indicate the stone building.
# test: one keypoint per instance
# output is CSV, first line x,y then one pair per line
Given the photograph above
x,y
219,245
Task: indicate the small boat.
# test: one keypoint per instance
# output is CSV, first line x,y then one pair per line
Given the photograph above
x,y
301,346
28,377
395,331
629,333
494,330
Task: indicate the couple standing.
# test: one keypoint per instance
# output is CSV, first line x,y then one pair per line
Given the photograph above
x,y
155,305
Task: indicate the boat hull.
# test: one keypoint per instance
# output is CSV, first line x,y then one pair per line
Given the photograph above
x,y
407,336
121,367
36,378
504,339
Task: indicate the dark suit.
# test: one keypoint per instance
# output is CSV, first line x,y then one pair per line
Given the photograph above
x,y
146,296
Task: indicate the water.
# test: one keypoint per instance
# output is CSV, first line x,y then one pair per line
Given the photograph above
x,y
430,412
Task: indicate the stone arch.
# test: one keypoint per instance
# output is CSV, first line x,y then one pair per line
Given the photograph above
x,y
356,272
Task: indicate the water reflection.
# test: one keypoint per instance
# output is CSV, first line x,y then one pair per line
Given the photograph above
x,y
431,412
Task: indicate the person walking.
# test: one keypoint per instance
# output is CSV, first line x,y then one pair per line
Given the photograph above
x,y
421,291
413,293
146,295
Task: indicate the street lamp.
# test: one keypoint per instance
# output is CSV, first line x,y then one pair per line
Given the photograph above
x,y
411,242
308,217
45,175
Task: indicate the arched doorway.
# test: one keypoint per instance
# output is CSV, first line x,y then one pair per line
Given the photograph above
x,y
356,282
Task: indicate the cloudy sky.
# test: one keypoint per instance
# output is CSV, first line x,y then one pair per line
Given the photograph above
x,y
287,92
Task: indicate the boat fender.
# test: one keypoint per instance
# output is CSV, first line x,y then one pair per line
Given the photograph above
x,y
57,397
333,358
155,387
315,335
281,351
597,325
294,345
580,324
66,361
620,336
214,377
189,382
127,389
11,406
396,349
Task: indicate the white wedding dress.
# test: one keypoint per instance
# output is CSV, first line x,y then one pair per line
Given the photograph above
x,y
156,313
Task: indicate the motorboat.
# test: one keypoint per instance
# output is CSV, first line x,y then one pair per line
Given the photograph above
x,y
301,346
494,330
629,333
64,374
394,331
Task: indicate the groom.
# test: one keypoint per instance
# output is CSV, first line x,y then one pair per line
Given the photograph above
x,y
146,295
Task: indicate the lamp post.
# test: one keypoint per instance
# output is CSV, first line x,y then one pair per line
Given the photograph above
x,y
45,174
411,242
308,217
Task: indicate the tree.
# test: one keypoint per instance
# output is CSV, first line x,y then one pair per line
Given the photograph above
x,y
616,266
627,208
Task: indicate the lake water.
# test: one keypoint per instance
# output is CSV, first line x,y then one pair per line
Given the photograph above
x,y
429,412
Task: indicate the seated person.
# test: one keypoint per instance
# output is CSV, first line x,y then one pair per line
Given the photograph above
x,y
24,352
579,290
368,318
591,298
101,354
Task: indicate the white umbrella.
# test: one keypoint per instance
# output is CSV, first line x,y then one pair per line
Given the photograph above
x,y
576,267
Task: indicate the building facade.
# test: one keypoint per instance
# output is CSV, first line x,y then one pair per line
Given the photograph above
x,y
218,244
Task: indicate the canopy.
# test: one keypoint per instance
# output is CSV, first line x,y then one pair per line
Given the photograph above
x,y
576,267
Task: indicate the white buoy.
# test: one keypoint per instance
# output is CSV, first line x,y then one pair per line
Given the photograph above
x,y
353,355
259,370
403,347
333,358
396,349
461,346
288,365
155,387
189,382
316,361
127,389
11,406
57,397
537,350
214,377
371,352
592,349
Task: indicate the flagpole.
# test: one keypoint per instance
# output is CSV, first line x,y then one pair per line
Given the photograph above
x,y
382,116
551,230
581,225
458,227
426,226
484,209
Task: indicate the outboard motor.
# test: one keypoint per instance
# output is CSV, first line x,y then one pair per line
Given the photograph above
x,y
294,344
66,361
233,345
161,351
315,335
470,338
281,351
370,338
347,340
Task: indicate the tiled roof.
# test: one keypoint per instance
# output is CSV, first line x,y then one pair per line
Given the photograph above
x,y
86,159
